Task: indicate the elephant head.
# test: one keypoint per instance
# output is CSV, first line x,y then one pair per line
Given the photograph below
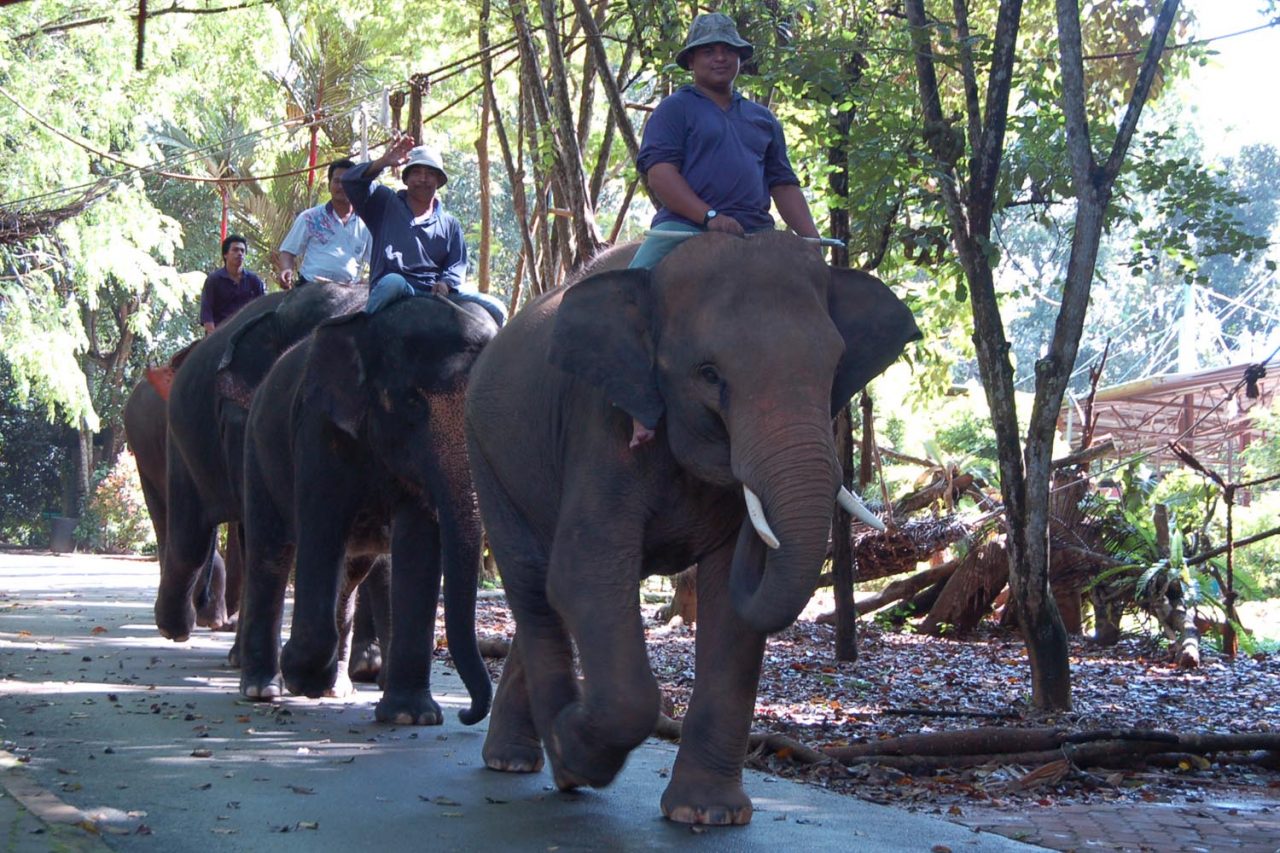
x,y
744,349
389,388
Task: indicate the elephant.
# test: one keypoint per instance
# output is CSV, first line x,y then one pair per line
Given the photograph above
x,y
217,594
208,406
737,352
355,447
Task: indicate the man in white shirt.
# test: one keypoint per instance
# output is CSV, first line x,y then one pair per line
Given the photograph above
x,y
333,242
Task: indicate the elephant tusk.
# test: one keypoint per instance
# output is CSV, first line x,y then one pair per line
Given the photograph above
x,y
755,510
850,504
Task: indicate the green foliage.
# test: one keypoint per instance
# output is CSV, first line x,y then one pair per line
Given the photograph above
x,y
33,459
115,519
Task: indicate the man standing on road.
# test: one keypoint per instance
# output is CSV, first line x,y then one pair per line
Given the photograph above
x,y
714,159
332,241
417,247
229,288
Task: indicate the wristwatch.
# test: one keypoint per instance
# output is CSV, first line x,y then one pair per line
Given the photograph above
x,y
710,215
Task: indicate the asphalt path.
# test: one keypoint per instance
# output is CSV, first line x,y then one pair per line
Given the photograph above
x,y
115,738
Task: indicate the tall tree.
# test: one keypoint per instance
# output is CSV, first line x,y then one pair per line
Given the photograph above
x,y
969,196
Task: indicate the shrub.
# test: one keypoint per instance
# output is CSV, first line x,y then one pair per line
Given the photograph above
x,y
115,520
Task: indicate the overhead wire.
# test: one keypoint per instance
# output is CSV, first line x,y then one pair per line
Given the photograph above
x,y
453,68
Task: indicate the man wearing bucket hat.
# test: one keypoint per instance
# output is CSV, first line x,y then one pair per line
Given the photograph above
x,y
714,159
417,247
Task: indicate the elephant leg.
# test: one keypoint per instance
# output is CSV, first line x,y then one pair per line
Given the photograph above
x,y
538,679
211,602
415,591
512,744
188,546
594,583
372,627
268,559
357,570
310,659
706,782
234,569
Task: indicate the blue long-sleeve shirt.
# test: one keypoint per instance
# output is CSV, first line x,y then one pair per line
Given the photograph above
x,y
731,158
424,249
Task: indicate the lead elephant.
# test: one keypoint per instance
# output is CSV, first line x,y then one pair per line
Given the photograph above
x,y
146,426
208,405
355,447
737,351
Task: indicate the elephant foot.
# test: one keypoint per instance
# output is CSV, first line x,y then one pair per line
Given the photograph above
x,y
708,801
408,708
260,688
214,617
577,761
234,656
511,754
175,621
342,687
366,662
309,669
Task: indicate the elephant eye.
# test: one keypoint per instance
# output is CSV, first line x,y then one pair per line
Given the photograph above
x,y
709,374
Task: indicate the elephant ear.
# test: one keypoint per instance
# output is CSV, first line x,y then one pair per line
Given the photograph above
x,y
603,335
244,362
335,377
876,327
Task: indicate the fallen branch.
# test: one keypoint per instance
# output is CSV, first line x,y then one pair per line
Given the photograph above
x,y
976,747
766,743
897,591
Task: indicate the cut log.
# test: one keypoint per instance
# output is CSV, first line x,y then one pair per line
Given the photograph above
x,y
967,597
684,603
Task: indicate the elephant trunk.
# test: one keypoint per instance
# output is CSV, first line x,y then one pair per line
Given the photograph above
x,y
460,541
796,486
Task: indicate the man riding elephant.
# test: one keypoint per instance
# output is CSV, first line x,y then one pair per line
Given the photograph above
x,y
714,159
417,247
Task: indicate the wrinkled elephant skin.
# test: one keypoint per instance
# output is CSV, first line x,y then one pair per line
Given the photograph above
x,y
146,429
357,434
206,430
737,352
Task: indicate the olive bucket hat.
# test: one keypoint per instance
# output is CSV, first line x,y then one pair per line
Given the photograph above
x,y
424,156
714,28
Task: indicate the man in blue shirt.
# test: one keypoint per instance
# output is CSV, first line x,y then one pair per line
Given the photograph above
x,y
417,248
714,159
332,241
230,288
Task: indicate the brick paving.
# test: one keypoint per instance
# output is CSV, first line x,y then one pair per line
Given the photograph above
x,y
1141,828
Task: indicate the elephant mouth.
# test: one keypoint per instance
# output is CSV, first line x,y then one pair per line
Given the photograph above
x,y
845,498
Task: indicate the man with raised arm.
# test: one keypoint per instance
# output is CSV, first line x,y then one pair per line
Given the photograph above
x,y
417,247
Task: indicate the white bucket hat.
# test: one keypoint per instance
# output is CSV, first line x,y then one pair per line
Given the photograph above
x,y
424,156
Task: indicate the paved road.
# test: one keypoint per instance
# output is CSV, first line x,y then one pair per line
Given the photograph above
x,y
146,742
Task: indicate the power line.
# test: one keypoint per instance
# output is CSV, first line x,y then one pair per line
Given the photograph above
x,y
453,68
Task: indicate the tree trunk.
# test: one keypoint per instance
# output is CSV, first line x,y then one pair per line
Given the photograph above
x,y
486,203
841,550
513,163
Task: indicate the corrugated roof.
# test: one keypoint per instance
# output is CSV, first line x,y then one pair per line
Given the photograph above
x,y
1206,411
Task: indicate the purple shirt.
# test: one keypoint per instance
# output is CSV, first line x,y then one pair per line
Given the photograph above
x,y
424,250
730,158
222,297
